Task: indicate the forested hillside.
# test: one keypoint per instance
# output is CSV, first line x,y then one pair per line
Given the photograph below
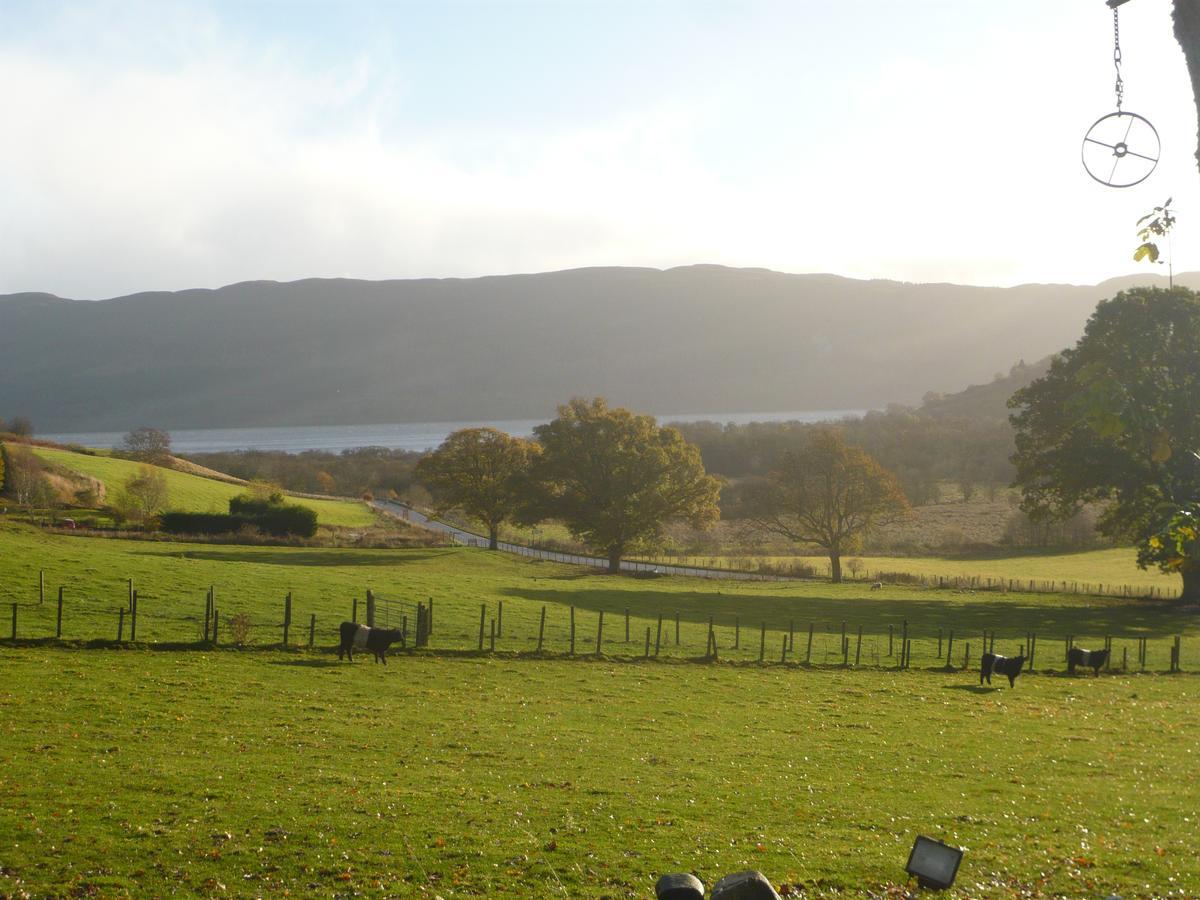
x,y
701,339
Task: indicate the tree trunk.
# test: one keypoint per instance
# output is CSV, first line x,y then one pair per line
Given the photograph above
x,y
1187,32
835,566
614,559
493,537
1191,584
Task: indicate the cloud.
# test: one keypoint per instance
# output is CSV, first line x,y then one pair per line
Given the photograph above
x,y
157,148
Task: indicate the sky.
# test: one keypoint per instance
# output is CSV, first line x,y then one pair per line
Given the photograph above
x,y
168,144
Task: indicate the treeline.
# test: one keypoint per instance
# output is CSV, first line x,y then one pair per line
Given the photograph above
x,y
351,473
921,450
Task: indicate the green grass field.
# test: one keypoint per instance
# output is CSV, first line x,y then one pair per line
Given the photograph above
x,y
193,493
157,767
260,773
172,580
1089,569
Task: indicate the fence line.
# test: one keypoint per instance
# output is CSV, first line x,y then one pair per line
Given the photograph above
x,y
663,565
580,634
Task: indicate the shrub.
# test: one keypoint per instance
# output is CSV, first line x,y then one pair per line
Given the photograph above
x,y
273,516
199,523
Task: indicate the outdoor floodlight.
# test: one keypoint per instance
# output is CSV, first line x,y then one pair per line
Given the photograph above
x,y
935,864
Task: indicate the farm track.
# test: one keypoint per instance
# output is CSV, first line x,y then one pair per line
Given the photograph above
x,y
471,539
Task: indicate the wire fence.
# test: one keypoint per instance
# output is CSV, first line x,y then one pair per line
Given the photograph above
x,y
752,569
562,631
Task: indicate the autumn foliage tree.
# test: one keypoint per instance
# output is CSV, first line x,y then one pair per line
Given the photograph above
x,y
480,472
826,493
615,478
1116,421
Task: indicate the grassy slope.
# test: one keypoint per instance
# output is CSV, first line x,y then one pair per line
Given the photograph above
x,y
172,579
256,773
1117,566
193,493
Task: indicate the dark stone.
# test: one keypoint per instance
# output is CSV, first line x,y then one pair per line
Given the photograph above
x,y
679,887
744,886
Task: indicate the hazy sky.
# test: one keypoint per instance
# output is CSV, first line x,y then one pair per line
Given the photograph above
x,y
164,145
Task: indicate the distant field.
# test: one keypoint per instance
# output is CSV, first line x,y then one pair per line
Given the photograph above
x,y
173,577
1117,566
256,774
194,493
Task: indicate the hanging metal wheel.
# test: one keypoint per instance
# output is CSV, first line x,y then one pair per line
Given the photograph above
x,y
1121,149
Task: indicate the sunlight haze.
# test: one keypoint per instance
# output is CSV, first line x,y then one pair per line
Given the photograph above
x,y
167,145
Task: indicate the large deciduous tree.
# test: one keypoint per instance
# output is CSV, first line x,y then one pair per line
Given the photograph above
x,y
479,471
1116,420
615,478
826,493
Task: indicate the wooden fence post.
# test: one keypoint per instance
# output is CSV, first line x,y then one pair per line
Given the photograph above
x,y
712,638
950,650
120,624
354,610
658,637
647,642
542,629
967,656
808,653
599,631
312,631
791,635
572,650
891,631
58,621
939,656
482,621
737,632
133,619
492,646
131,593
904,645
287,617
783,652
858,648
371,610
499,618
428,619
216,621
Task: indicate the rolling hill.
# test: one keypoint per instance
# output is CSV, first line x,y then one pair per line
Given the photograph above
x,y
699,339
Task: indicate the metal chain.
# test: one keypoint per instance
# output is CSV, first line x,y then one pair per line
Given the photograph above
x,y
1120,85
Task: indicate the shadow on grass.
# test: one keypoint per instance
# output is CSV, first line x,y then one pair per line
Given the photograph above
x,y
310,663
301,557
1010,616
971,688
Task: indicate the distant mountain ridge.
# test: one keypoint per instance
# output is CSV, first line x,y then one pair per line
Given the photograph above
x,y
342,351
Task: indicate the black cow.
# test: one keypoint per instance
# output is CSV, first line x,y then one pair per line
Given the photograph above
x,y
377,640
1077,656
1005,665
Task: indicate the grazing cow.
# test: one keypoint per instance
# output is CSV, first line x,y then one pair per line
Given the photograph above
x,y
1005,665
877,586
377,640
1077,656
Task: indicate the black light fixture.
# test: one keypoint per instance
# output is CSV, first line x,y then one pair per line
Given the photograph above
x,y
934,863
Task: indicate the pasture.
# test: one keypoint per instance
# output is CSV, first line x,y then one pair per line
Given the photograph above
x,y
194,493
1111,567
172,580
170,765
256,773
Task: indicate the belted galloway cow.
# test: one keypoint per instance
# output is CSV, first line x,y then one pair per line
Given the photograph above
x,y
377,640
